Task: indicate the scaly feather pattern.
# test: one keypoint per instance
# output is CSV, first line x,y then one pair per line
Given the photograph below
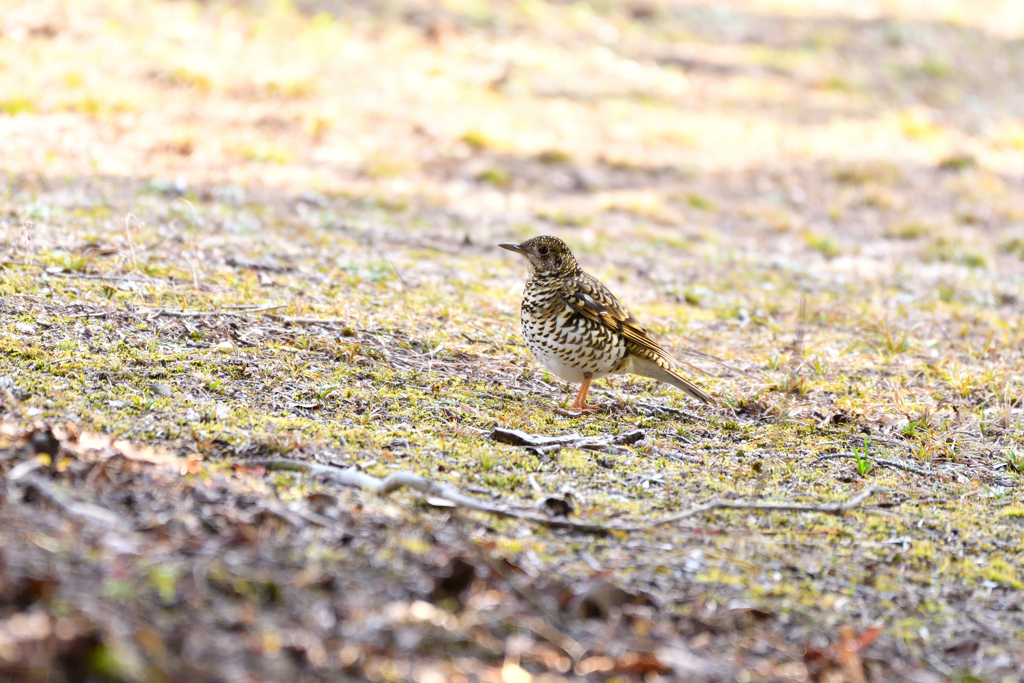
x,y
586,295
580,331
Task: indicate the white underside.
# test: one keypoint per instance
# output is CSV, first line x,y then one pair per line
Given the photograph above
x,y
572,373
633,365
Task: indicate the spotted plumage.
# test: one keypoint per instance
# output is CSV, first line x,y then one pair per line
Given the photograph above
x,y
578,329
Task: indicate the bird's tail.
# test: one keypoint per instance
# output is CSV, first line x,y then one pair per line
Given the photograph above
x,y
648,368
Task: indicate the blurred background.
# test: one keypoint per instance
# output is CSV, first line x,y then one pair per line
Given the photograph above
x,y
819,118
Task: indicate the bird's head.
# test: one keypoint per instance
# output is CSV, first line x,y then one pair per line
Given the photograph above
x,y
546,256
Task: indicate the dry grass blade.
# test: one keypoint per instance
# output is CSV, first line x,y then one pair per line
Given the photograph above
x,y
827,508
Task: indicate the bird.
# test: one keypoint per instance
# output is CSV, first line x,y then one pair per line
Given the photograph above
x,y
578,329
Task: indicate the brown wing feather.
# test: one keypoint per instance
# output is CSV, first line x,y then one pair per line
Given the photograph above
x,y
587,296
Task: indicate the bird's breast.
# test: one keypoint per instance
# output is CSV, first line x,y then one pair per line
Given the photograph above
x,y
567,343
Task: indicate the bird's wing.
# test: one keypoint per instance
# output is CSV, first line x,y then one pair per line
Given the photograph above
x,y
588,297
591,299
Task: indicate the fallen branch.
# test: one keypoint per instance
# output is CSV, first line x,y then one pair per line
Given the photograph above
x,y
541,444
829,508
878,439
304,321
157,312
407,479
881,462
86,512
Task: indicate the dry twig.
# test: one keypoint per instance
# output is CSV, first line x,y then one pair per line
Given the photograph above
x,y
86,512
305,321
407,479
666,409
881,462
830,508
877,439
157,312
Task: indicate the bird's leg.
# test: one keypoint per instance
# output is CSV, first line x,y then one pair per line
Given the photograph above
x,y
581,398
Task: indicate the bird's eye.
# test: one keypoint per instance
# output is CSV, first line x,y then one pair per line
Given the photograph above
x,y
543,251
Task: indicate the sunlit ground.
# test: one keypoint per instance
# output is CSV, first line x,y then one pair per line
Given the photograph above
x,y
820,205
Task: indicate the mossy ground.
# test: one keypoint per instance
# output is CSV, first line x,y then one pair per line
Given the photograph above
x,y
822,214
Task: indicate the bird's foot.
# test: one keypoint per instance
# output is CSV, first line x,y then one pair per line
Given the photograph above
x,y
588,407
580,402
575,410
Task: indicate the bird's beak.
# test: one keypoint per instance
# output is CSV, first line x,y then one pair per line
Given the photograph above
x,y
512,246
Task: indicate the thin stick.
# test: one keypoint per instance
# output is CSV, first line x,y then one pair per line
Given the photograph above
x,y
666,409
252,308
830,508
479,341
387,256
306,321
84,511
675,455
157,312
718,361
195,245
881,462
878,439
407,479
93,276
